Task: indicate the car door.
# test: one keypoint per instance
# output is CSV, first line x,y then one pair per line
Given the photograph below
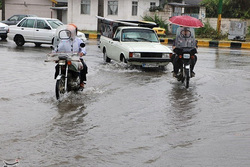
x,y
114,51
26,29
43,32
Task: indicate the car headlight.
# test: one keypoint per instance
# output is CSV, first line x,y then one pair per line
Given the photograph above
x,y
165,55
135,55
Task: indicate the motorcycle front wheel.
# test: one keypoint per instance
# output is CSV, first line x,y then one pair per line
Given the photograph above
x,y
187,77
60,88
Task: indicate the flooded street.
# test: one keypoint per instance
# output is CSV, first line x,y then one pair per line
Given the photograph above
x,y
125,117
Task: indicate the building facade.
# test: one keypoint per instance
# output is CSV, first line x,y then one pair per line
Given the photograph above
x,y
41,8
83,12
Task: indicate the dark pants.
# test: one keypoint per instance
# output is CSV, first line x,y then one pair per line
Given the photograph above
x,y
177,63
83,72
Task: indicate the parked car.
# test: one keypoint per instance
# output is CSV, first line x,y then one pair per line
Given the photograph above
x,y
3,31
160,31
13,20
36,30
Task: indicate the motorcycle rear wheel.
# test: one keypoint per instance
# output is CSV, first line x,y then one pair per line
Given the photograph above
x,y
60,88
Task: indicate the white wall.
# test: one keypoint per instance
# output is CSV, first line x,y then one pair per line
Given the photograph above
x,y
89,22
225,23
82,21
125,9
40,8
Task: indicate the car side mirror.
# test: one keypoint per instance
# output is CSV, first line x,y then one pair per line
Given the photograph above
x,y
116,39
47,28
82,45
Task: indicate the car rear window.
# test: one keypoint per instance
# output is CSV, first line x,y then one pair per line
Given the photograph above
x,y
21,17
41,24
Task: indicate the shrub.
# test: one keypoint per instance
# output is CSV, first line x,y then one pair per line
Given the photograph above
x,y
209,32
157,20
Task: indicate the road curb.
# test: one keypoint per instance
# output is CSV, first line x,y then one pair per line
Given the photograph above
x,y
202,43
220,44
93,36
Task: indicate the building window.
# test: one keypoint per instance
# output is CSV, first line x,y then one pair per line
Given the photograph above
x,y
134,8
112,7
152,4
85,6
177,10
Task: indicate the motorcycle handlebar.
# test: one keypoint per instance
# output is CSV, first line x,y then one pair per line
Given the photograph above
x,y
55,56
62,54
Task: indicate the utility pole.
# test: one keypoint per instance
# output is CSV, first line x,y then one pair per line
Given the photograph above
x,y
3,10
219,16
100,13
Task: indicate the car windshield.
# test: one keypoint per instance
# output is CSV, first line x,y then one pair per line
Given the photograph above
x,y
55,23
139,35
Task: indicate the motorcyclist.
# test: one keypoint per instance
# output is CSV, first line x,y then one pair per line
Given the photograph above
x,y
184,38
73,44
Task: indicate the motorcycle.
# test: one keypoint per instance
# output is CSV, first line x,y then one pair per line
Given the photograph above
x,y
68,66
185,56
67,74
185,50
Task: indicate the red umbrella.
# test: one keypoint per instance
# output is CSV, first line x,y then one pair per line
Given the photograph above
x,y
186,21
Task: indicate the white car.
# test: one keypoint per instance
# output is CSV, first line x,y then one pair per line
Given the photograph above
x,y
35,30
3,31
138,46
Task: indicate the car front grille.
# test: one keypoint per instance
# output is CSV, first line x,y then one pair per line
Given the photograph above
x,y
153,55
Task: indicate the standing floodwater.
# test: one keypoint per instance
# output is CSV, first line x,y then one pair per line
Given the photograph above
x,y
125,116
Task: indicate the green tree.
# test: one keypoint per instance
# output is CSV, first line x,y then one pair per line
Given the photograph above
x,y
158,20
230,8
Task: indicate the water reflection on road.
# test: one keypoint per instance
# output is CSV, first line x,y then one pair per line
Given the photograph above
x,y
125,116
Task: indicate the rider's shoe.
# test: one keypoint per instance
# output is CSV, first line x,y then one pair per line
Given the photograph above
x,y
82,85
192,74
174,75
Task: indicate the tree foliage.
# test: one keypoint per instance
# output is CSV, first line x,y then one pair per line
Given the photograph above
x,y
158,20
230,8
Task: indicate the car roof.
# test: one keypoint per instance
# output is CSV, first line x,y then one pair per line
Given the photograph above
x,y
25,15
134,27
45,18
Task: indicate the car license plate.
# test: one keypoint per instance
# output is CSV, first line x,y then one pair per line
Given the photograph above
x,y
186,56
148,65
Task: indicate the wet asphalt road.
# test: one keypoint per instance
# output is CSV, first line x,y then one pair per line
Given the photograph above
x,y
125,117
